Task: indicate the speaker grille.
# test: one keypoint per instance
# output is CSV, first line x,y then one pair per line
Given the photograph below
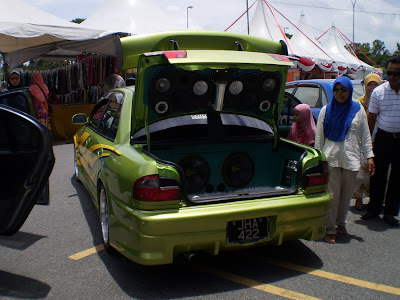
x,y
197,173
237,170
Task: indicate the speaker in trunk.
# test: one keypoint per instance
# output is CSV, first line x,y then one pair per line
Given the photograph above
x,y
197,173
237,170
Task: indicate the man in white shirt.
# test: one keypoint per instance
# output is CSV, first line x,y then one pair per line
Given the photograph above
x,y
384,107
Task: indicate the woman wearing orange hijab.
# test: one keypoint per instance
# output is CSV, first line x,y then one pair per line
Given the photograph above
x,y
39,92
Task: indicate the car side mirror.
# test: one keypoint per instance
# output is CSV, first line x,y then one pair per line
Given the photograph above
x,y
79,119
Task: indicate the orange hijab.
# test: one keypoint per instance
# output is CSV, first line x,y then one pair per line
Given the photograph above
x,y
364,100
38,89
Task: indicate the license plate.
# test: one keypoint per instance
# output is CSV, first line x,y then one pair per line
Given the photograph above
x,y
247,231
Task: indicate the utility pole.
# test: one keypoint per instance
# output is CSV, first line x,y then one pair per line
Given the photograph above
x,y
187,16
248,24
354,5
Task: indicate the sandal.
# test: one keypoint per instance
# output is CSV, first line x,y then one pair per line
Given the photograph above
x,y
330,238
359,204
341,230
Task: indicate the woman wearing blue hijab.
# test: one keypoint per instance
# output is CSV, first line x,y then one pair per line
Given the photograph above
x,y
342,134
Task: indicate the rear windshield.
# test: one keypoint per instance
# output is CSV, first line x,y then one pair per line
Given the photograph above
x,y
196,127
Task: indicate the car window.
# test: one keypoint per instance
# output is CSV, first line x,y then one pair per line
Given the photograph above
x,y
287,110
324,98
15,100
308,95
179,127
289,90
110,120
97,113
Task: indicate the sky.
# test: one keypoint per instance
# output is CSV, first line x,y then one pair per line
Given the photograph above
x,y
377,19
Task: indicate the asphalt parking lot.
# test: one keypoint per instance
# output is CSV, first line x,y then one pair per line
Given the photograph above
x,y
58,255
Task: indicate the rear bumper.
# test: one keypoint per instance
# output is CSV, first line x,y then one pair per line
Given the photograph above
x,y
156,237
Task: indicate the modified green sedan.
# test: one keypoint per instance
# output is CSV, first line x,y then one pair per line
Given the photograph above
x,y
190,158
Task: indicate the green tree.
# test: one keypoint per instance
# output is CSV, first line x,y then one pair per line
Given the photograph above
x,y
78,20
288,35
379,52
397,52
364,47
40,64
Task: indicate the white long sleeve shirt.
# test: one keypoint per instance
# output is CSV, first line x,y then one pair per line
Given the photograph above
x,y
346,154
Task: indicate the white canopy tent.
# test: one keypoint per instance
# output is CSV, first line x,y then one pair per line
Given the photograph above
x,y
264,24
27,33
134,17
303,43
336,44
329,56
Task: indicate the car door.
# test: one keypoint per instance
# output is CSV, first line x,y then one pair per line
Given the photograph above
x,y
103,126
27,159
310,93
286,120
20,99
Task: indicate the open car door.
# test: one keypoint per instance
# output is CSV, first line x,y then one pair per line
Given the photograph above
x,y
26,159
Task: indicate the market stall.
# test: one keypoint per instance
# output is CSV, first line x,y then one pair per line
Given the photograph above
x,y
74,88
61,119
28,33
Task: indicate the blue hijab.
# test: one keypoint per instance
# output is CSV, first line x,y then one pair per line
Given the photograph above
x,y
338,116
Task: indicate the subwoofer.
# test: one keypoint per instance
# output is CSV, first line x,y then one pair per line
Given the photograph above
x,y
196,171
237,170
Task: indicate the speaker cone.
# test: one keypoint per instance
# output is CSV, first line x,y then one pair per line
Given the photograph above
x,y
237,170
265,105
162,85
269,84
200,88
161,107
236,87
196,171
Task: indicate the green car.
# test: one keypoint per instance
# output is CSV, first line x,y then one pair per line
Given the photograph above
x,y
190,159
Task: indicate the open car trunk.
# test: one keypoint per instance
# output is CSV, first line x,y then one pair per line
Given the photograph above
x,y
236,160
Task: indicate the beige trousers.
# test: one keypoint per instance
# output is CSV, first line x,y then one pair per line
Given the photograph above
x,y
341,187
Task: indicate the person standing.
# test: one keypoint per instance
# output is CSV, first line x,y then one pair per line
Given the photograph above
x,y
40,91
370,83
384,108
342,133
303,128
14,80
16,101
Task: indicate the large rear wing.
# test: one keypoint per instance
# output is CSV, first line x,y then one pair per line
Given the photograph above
x,y
134,46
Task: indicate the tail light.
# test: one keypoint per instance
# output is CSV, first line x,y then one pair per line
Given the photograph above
x,y
155,188
169,54
175,54
316,175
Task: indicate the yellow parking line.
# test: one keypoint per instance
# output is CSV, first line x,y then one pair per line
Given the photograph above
x,y
255,284
87,252
270,288
331,276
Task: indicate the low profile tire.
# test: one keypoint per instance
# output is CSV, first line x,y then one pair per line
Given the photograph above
x,y
103,212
